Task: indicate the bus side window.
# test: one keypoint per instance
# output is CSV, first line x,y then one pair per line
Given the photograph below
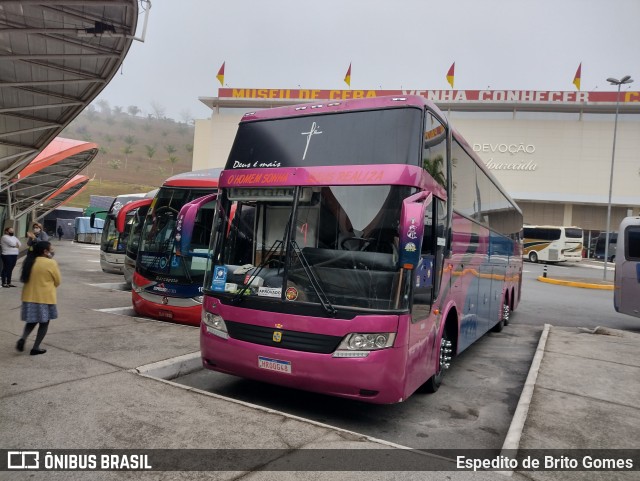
x,y
441,229
434,158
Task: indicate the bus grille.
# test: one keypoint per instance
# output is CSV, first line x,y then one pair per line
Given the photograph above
x,y
553,254
294,340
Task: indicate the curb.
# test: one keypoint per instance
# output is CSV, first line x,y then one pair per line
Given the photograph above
x,y
584,285
512,439
171,368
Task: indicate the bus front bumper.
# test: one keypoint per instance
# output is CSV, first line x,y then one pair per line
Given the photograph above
x,y
165,309
378,378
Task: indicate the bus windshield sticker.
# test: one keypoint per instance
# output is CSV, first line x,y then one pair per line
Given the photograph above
x,y
270,291
219,278
291,294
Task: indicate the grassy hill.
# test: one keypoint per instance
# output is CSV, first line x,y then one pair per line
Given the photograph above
x,y
136,153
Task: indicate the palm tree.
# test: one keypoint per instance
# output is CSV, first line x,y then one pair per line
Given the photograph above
x,y
127,149
172,160
435,168
151,151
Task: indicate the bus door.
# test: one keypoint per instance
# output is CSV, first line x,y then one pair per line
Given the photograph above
x,y
425,282
627,277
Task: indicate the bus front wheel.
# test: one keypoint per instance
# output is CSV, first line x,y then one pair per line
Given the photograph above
x,y
533,257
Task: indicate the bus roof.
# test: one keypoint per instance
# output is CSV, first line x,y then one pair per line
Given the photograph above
x,y
123,199
336,106
196,178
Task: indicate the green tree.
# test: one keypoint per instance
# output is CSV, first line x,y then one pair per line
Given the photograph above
x,y
173,160
105,108
133,110
114,164
189,148
126,150
92,114
130,140
435,167
170,149
158,109
151,151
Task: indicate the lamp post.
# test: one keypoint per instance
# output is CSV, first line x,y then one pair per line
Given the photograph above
x,y
624,80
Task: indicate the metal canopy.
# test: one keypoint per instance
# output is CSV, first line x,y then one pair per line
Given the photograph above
x,y
56,56
63,195
48,174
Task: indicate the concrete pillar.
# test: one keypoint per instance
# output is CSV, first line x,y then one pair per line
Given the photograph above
x,y
568,214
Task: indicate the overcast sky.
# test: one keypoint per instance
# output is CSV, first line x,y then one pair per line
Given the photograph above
x,y
392,44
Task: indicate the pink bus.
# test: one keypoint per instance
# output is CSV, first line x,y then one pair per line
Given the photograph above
x,y
358,247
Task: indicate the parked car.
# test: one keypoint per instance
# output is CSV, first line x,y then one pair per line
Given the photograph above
x,y
600,246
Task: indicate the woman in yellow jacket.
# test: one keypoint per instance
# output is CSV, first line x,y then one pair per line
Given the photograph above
x,y
41,277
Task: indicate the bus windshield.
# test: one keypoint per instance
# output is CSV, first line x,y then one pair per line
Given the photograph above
x,y
112,241
341,242
156,253
134,227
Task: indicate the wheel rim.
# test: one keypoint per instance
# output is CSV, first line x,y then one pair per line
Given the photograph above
x,y
506,313
445,355
533,257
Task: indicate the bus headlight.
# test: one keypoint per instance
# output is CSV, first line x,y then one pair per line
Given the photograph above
x,y
215,324
359,344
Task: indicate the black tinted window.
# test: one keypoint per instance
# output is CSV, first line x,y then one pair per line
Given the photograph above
x,y
632,243
388,136
573,233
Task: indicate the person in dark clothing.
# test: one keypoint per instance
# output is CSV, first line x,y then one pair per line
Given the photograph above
x,y
60,232
10,247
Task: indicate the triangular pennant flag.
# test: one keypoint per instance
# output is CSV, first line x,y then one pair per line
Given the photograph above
x,y
220,75
576,79
347,78
450,74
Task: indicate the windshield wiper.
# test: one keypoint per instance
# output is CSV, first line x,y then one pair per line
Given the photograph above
x,y
239,296
313,280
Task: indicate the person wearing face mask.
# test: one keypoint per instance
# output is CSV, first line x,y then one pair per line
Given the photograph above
x,y
41,277
37,235
10,246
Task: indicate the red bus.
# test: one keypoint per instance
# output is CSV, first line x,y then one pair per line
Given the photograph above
x,y
166,284
358,247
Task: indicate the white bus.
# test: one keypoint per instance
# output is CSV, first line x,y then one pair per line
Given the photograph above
x,y
626,296
550,243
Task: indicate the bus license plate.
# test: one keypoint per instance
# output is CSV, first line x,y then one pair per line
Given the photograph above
x,y
274,365
165,314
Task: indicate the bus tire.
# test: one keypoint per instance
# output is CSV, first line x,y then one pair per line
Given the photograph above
x,y
498,327
533,257
444,362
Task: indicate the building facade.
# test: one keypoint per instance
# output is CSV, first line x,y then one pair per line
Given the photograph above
x,y
552,151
